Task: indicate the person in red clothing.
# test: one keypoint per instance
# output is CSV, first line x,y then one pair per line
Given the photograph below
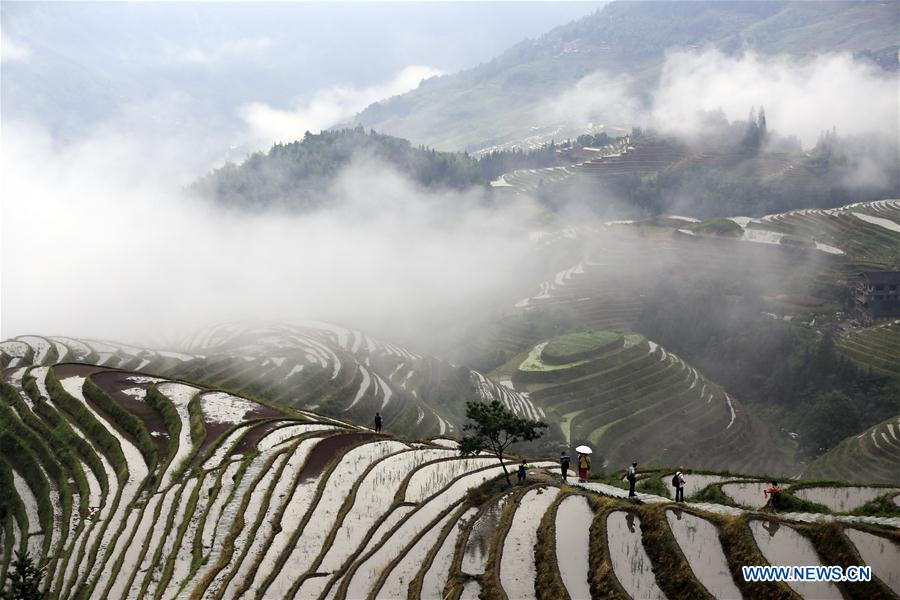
x,y
773,494
584,463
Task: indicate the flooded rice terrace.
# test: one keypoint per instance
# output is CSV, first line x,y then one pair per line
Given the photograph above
x,y
517,570
693,483
880,553
436,577
842,499
478,545
783,545
630,562
747,493
573,523
699,541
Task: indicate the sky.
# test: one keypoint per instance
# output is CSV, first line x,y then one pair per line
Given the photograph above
x,y
110,109
227,74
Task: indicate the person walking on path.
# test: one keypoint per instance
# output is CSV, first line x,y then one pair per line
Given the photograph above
x,y
584,463
631,475
522,469
678,483
564,465
773,494
378,422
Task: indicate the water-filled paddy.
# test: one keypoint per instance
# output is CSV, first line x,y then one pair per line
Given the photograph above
x,y
478,545
879,553
692,483
747,493
783,545
841,499
573,523
699,541
517,570
630,562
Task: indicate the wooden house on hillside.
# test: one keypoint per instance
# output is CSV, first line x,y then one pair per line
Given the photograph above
x,y
875,296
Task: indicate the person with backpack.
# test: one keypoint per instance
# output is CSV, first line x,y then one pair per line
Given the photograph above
x,y
631,475
678,484
584,463
564,465
523,468
773,494
378,422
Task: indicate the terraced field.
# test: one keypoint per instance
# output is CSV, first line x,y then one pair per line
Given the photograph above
x,y
876,347
629,398
873,456
612,270
312,366
125,485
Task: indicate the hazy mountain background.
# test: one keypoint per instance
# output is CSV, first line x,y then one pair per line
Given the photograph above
x,y
191,70
623,46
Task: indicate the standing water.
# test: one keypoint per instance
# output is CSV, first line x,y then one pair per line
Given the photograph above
x,y
879,553
573,524
842,499
783,545
479,542
630,562
699,541
748,493
517,570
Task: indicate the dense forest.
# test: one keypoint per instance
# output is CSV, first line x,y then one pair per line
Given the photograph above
x,y
298,175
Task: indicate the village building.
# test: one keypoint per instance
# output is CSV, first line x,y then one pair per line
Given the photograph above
x,y
876,296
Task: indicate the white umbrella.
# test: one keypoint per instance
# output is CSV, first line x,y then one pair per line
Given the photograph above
x,y
584,450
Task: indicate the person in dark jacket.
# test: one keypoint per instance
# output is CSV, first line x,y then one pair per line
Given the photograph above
x,y
522,470
378,422
564,465
631,475
773,494
678,482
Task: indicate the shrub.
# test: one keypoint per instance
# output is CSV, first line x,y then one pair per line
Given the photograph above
x,y
24,579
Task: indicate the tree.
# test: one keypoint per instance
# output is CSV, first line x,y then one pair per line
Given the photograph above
x,y
24,579
494,428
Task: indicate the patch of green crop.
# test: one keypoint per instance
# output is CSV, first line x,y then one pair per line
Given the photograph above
x,y
578,346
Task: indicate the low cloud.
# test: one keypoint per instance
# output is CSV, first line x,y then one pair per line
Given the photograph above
x,y
97,241
239,49
11,50
597,101
802,97
327,107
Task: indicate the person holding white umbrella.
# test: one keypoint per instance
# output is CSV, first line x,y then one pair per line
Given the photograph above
x,y
584,462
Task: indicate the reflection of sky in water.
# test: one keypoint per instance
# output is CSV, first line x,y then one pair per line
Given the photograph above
x,y
783,545
630,562
699,541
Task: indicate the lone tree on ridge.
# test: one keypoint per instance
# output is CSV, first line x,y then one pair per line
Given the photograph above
x,y
494,428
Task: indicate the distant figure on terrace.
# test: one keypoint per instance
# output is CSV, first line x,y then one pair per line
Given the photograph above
x,y
584,463
773,494
522,470
378,422
631,475
564,465
678,484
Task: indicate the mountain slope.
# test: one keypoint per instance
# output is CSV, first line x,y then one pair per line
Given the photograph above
x,y
504,99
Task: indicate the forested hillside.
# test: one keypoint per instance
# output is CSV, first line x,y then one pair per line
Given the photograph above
x,y
298,175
